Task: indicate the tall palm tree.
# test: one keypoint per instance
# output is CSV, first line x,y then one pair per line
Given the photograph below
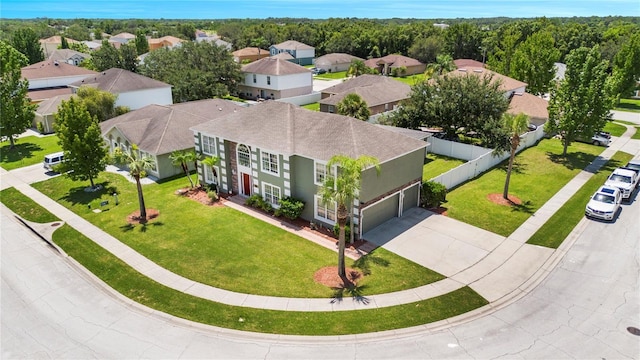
x,y
353,105
444,64
342,190
212,161
515,125
138,167
181,158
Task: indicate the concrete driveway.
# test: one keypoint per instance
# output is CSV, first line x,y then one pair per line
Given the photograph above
x,y
434,241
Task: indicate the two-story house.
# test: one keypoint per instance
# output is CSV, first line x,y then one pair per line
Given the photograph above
x,y
271,78
276,149
51,78
302,54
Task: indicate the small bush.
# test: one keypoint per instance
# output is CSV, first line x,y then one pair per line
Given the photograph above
x,y
347,230
433,194
213,195
258,202
40,127
290,208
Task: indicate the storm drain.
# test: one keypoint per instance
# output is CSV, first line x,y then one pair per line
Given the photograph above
x,y
634,330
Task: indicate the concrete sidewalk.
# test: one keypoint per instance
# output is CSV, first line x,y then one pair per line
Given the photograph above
x,y
498,268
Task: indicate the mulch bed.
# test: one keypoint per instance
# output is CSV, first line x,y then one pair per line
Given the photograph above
x,y
134,217
498,199
328,276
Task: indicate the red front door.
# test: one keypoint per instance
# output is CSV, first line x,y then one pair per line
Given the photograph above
x,y
246,184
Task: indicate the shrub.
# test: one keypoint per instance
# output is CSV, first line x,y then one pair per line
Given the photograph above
x,y
433,194
213,195
291,208
347,230
258,202
40,127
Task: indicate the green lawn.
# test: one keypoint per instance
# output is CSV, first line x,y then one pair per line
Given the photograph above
x,y
29,150
629,105
220,246
314,106
137,287
332,75
25,207
636,135
411,80
539,172
614,129
560,225
438,164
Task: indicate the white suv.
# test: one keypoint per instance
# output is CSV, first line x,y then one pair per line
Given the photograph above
x,y
623,179
604,204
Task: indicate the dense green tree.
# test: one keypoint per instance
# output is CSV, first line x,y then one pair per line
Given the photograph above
x,y
81,140
502,54
64,44
443,64
196,70
426,49
78,32
142,44
357,68
80,47
456,103
580,105
464,41
106,57
515,126
16,111
138,166
128,57
100,104
341,190
353,105
26,41
533,62
626,67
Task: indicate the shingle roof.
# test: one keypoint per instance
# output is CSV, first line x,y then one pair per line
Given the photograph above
x,y
50,106
118,81
531,105
161,129
65,54
249,51
360,81
170,39
57,39
293,45
124,35
44,94
289,129
283,56
506,83
274,66
393,60
335,58
381,92
463,63
50,68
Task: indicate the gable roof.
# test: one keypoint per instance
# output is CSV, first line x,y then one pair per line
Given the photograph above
x,y
51,68
274,66
172,40
118,81
506,83
124,35
57,39
161,129
292,45
360,81
283,56
530,105
463,63
250,51
393,60
292,130
336,58
50,106
377,93
65,54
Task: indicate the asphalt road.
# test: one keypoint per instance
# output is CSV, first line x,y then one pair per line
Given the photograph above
x,y
50,309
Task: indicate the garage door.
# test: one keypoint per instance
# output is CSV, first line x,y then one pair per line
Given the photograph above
x,y
380,212
410,198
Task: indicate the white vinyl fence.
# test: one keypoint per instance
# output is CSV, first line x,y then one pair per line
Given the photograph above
x,y
302,99
478,159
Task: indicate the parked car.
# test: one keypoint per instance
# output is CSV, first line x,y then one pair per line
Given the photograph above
x,y
317,71
52,160
604,204
601,138
634,165
623,179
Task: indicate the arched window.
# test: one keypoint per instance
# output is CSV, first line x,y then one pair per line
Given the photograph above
x,y
244,156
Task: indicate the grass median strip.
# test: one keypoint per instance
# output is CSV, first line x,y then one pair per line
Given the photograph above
x,y
24,207
560,225
143,290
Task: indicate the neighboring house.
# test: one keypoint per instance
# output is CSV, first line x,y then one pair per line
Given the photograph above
x,y
46,111
302,54
249,54
93,45
276,149
50,44
200,37
158,130
381,93
123,37
508,85
532,106
386,65
283,56
465,63
69,56
271,78
134,91
164,42
335,62
50,78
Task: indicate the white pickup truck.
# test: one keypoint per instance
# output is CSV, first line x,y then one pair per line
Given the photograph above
x,y
625,180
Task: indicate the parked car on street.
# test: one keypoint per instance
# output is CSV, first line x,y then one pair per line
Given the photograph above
x,y
601,138
604,204
634,165
623,179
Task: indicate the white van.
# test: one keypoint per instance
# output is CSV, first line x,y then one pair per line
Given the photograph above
x,y
52,160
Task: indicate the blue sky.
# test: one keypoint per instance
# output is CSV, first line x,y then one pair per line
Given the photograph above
x,y
315,9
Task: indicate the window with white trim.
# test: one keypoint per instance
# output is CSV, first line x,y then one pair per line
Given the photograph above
x,y
325,212
208,145
268,80
244,156
210,175
254,78
271,194
321,173
270,163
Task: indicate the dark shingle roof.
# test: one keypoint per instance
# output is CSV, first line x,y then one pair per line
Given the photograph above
x,y
118,81
50,106
161,129
373,89
292,130
274,66
293,45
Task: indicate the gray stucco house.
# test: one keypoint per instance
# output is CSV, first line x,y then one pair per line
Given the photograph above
x,y
276,149
302,54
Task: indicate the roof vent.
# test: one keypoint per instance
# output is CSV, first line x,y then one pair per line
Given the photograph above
x,y
463,70
219,109
477,70
104,73
56,63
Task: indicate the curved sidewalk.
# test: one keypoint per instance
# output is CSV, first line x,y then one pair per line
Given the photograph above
x,y
509,268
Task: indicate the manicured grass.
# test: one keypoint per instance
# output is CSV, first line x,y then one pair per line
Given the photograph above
x,y
29,150
614,129
629,105
539,172
411,80
220,246
332,75
24,207
137,287
560,225
636,135
314,106
438,164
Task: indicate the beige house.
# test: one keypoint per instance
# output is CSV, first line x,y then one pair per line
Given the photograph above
x,y
50,44
164,42
335,62
69,56
46,111
386,65
249,54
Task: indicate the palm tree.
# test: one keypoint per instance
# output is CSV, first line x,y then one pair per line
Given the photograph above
x,y
357,68
342,190
515,126
353,105
212,161
444,63
138,167
181,158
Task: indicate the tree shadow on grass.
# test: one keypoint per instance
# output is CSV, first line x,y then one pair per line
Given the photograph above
x,y
352,290
78,195
19,152
143,226
525,207
516,168
364,263
573,160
